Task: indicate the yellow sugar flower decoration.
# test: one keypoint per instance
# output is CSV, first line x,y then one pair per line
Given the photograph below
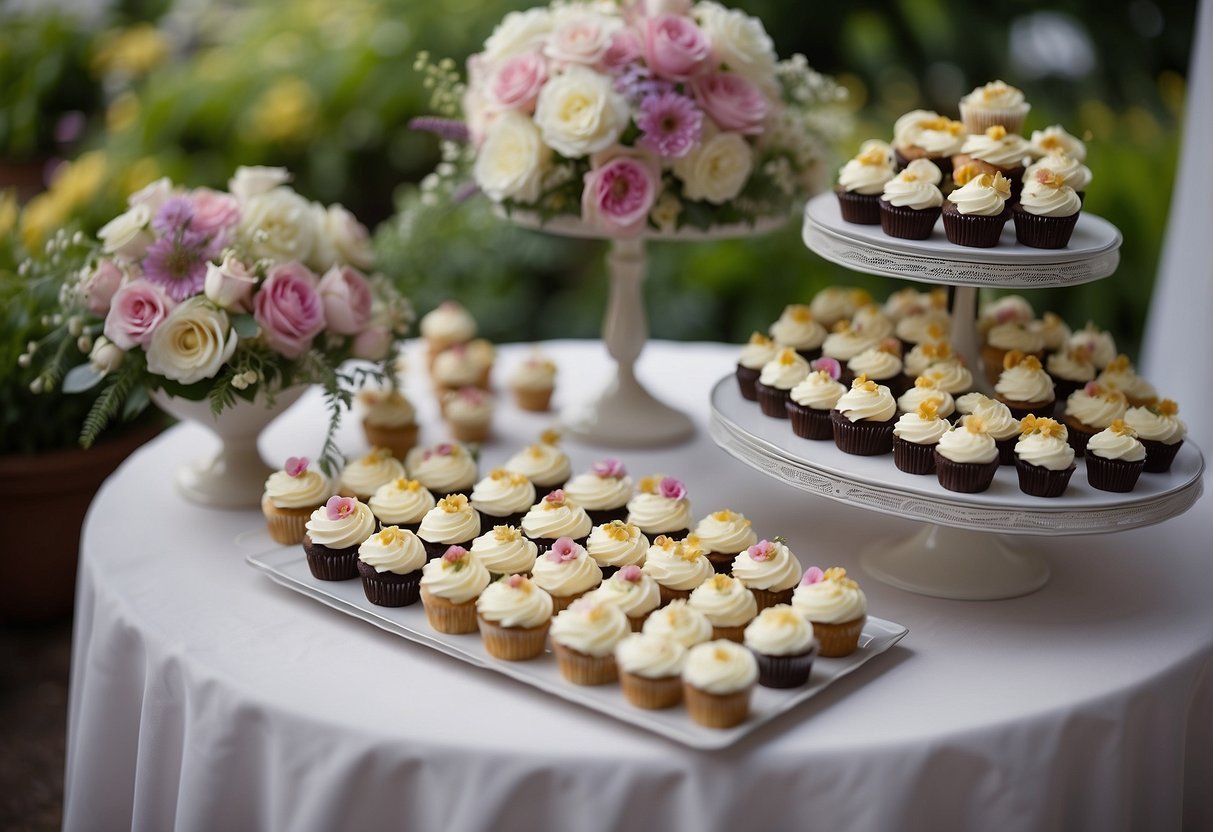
x,y
550,437
842,326
453,503
650,485
721,583
1049,178
1012,359
860,297
1119,427
1080,354
935,332
786,357
974,424
618,530
838,575
506,534
928,409
965,174
759,340
1002,185
1166,407
376,455
405,484
391,535
800,313
890,346
939,300
937,351
926,383
724,515
785,618
872,156
1119,364
996,132
862,382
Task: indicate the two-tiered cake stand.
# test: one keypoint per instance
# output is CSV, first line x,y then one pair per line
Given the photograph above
x,y
969,546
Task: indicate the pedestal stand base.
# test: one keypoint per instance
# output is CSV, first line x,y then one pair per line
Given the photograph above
x,y
225,480
626,415
960,564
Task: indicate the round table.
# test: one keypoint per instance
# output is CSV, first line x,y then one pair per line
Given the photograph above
x,y
204,696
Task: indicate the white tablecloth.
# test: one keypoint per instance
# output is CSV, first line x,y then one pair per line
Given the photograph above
x,y
206,697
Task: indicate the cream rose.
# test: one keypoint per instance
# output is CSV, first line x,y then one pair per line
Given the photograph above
x,y
350,240
517,32
740,42
230,284
580,113
279,224
153,195
251,181
192,343
126,235
717,169
512,160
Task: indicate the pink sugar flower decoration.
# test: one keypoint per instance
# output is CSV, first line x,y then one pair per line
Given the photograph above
x,y
630,573
454,554
564,550
338,507
672,489
556,496
830,365
296,466
812,575
609,468
670,124
443,449
1091,389
763,550
514,581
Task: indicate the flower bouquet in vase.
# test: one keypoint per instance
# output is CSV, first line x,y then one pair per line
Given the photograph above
x,y
630,121
221,307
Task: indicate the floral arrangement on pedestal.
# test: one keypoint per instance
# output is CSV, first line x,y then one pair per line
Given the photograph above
x,y
635,115
219,296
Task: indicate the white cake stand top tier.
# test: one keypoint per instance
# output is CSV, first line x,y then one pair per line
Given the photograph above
x,y
1093,252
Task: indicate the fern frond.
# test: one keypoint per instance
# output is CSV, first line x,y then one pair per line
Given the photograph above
x,y
109,404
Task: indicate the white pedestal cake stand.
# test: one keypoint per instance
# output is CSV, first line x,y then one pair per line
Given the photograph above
x,y
625,414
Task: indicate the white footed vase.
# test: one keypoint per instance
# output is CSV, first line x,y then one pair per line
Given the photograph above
x,y
234,477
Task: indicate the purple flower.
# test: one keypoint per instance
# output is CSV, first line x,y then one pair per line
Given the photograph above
x,y
637,83
670,123
672,489
174,216
177,262
609,468
446,128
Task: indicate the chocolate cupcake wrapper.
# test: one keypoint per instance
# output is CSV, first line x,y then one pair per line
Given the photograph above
x,y
582,669
973,230
1039,481
944,163
1078,435
810,423
746,377
1116,475
512,644
736,634
667,595
1043,232
599,516
964,477
717,710
1006,450
722,562
434,550
1160,455
784,671
772,400
860,209
861,438
912,457
388,589
331,564
837,640
1021,410
907,223
651,694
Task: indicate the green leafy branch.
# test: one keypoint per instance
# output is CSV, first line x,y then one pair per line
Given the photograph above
x,y
118,389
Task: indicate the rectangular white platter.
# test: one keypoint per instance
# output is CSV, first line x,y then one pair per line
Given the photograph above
x,y
287,566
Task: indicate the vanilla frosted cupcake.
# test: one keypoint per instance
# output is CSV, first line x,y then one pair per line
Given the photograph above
x,y
994,103
845,342
996,150
362,477
451,522
447,468
1098,343
503,497
911,202
754,355
1115,458
543,463
450,586
603,491
796,328
863,419
811,401
401,502
632,591
388,420
769,570
915,436
779,375
932,348
951,375
1070,369
566,571
718,679
1024,386
1055,140
1009,337
650,670
836,607
1044,459
926,389
677,567
553,517
445,326
661,506
533,382
505,551
1119,374
513,616
584,637
861,180
881,364
334,533
1003,427
291,495
931,326
966,458
1161,432
390,564
469,412
926,135
1052,330
782,641
616,544
1007,309
837,303
1070,168
976,211
722,534
727,603
1047,211
454,368
1090,410
679,622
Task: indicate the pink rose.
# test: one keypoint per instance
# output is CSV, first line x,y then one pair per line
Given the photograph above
x,y
100,286
214,211
347,300
230,284
674,47
137,309
289,309
620,191
373,343
625,49
731,101
581,40
517,82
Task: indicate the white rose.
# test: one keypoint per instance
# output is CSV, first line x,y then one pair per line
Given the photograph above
x,y
665,212
153,195
653,8
193,343
351,241
126,235
717,169
580,37
230,284
740,42
106,356
580,113
278,224
323,254
517,32
256,180
512,160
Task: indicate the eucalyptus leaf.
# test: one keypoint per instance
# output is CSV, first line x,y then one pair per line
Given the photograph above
x,y
82,377
246,326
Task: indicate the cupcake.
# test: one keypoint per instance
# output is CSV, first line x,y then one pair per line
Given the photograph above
x,y
1120,375
566,571
469,412
925,390
1071,170
362,477
448,468
718,679
482,354
291,495
910,202
797,329
975,212
451,522
390,564
680,623
1052,331
915,436
554,517
677,567
754,355
932,326
1024,386
1007,309
996,150
1115,458
931,347
445,326
769,570
950,375
906,303
503,497
860,182
863,419
775,382
1160,431
450,586
1000,424
543,463
661,506
513,616
504,550
1008,337
632,591
615,545
1098,343
650,670
1090,410
881,364
836,607
533,382
1044,459
838,303
603,491
401,502
723,535
1055,140
1047,211
334,533
727,603
454,369
584,637
782,642
926,135
813,398
845,342
388,421
1070,370
994,103
966,458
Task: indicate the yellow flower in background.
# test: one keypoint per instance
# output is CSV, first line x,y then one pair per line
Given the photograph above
x,y
285,112
73,186
132,52
9,211
141,173
122,113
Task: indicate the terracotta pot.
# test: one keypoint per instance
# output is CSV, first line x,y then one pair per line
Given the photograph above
x,y
45,497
